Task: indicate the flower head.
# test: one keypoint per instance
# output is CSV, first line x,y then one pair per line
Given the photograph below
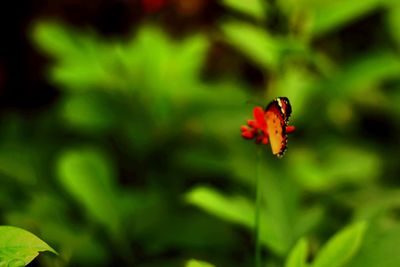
x,y
257,127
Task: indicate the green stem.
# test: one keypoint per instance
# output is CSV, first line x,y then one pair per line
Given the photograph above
x,y
258,209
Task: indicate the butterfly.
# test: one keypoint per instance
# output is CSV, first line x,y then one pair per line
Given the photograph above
x,y
277,115
271,125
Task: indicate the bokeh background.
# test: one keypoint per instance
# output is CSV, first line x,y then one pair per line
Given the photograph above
x,y
119,128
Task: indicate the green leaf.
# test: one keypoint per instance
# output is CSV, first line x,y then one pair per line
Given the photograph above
x,y
19,247
254,8
393,20
308,219
235,209
281,209
282,221
371,204
254,42
330,15
88,111
344,164
196,263
85,61
82,60
89,177
18,162
341,247
361,74
380,248
55,39
298,255
275,231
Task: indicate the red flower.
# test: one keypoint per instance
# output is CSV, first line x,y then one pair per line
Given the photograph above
x,y
256,128
290,129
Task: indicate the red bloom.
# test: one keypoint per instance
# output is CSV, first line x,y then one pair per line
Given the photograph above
x,y
290,129
256,128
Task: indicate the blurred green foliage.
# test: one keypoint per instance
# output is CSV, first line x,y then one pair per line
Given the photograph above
x,y
139,162
195,263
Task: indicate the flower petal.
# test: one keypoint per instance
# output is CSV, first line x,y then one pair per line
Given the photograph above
x,y
248,133
290,129
252,123
264,139
260,118
244,128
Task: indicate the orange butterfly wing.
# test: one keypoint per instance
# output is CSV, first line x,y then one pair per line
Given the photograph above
x,y
276,119
276,133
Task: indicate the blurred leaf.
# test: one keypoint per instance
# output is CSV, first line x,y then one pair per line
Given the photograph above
x,y
187,59
19,247
393,20
19,163
341,247
56,40
308,219
89,177
152,59
298,255
254,8
82,60
148,60
379,248
352,164
88,112
196,263
76,245
233,209
212,111
331,15
280,200
201,160
276,230
254,42
191,228
361,74
339,165
373,203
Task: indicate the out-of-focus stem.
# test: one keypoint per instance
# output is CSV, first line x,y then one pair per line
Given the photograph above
x,y
258,210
